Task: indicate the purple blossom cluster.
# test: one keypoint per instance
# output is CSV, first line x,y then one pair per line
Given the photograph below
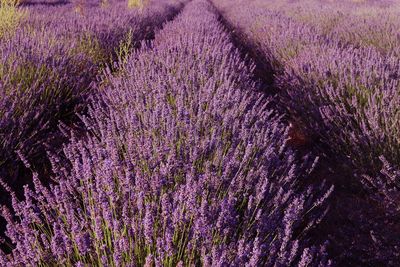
x,y
345,95
339,83
388,184
184,163
360,23
48,67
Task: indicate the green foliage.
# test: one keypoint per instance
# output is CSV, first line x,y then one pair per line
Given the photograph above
x,y
136,4
125,47
10,16
90,46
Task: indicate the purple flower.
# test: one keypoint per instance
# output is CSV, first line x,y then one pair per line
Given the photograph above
x,y
176,167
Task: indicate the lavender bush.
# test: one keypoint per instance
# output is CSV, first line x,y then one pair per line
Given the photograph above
x,y
359,23
346,96
183,164
48,67
388,185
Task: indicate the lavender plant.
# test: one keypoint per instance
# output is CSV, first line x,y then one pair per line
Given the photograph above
x,y
388,185
184,164
366,24
346,95
48,67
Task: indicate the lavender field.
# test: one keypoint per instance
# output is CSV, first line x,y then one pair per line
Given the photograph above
x,y
199,133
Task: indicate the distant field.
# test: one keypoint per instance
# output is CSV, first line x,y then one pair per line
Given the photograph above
x,y
200,133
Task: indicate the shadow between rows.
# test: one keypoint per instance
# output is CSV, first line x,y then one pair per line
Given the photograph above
x,y
359,231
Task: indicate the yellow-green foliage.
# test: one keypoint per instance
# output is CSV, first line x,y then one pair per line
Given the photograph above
x,y
136,3
90,46
10,15
104,3
124,47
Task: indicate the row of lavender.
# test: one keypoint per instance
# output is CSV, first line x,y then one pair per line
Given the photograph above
x,y
49,63
347,95
343,93
356,22
183,164
369,25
